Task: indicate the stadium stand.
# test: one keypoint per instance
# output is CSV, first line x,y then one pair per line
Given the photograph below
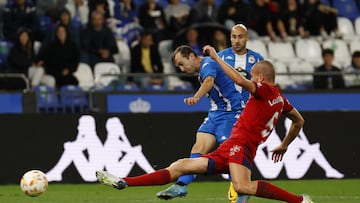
x,y
286,54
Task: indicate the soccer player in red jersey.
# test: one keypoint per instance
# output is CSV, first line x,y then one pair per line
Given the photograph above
x,y
236,155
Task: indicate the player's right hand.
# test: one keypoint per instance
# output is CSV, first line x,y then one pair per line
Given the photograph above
x,y
191,100
209,50
278,153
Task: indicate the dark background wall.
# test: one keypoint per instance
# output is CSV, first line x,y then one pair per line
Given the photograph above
x,y
36,140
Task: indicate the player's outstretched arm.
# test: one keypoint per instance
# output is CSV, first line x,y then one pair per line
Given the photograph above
x,y
295,127
205,87
229,71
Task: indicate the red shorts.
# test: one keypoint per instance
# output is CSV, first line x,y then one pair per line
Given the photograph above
x,y
238,149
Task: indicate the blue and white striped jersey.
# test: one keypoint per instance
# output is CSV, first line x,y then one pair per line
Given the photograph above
x,y
251,58
223,95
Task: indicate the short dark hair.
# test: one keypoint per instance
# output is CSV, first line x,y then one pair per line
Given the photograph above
x,y
184,50
145,33
356,54
327,52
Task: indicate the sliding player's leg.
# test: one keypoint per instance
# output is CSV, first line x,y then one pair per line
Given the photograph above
x,y
159,177
203,144
241,178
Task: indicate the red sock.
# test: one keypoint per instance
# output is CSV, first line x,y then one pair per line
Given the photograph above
x,y
160,177
270,191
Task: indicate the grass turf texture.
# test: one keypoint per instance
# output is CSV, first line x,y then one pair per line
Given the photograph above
x,y
339,191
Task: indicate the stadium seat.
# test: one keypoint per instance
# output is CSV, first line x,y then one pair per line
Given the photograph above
x,y
282,52
162,3
218,3
283,78
85,76
123,58
346,28
111,5
138,3
185,87
326,2
171,81
5,47
165,50
258,46
354,46
357,25
156,87
46,98
309,50
37,46
103,68
341,51
347,8
45,23
102,88
128,87
73,99
191,3
301,67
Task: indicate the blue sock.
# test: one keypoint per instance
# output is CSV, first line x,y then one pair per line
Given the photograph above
x,y
187,179
242,198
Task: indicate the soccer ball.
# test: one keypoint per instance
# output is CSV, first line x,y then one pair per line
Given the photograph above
x,y
34,183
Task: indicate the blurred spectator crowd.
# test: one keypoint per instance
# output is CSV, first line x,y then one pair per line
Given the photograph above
x,y
127,44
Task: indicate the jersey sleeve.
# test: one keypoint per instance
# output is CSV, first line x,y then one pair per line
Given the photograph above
x,y
208,68
262,90
287,105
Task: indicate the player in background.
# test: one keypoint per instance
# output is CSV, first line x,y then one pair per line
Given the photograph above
x,y
240,57
243,59
236,155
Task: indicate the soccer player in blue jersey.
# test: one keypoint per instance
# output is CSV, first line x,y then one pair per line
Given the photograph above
x,y
243,59
239,57
226,106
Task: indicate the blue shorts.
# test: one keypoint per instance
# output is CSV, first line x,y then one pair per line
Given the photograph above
x,y
219,124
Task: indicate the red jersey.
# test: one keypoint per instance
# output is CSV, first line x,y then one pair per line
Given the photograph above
x,y
262,113
254,126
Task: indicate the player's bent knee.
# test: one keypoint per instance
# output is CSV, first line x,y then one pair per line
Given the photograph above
x,y
178,165
242,188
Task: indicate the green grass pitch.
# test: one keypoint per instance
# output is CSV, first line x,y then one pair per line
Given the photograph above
x,y
337,191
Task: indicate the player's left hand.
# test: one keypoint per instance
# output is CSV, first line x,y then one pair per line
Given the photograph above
x,y
278,153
